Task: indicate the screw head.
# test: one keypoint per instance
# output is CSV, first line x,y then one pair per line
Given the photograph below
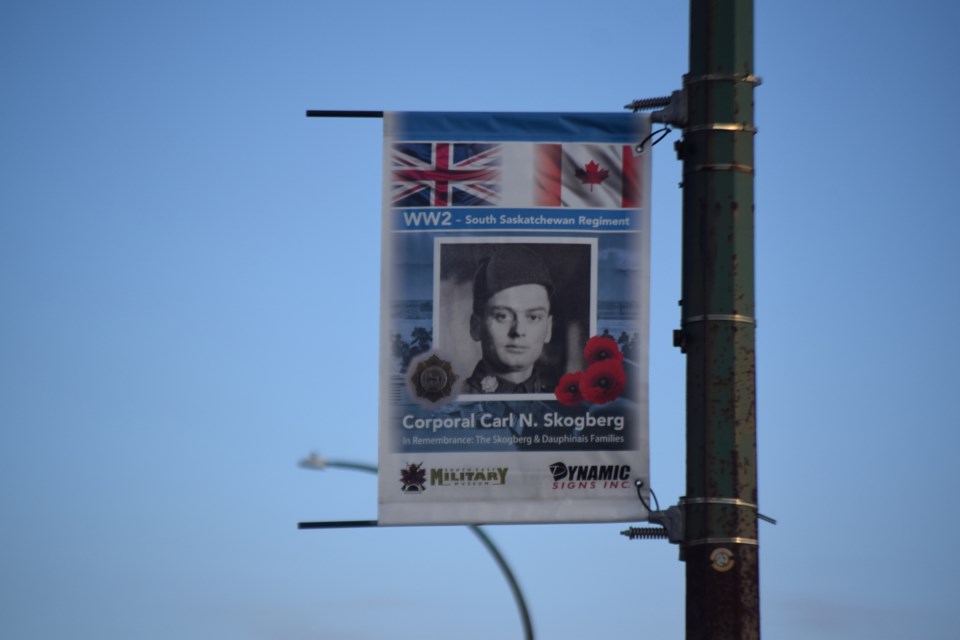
x,y
721,560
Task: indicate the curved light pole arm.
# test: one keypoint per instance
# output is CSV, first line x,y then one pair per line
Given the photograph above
x,y
314,461
514,585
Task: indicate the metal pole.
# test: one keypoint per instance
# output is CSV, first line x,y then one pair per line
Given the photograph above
x,y
720,546
313,461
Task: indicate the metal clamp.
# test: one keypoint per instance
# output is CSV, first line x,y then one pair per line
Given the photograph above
x,y
742,168
735,502
729,501
703,541
730,77
720,317
722,126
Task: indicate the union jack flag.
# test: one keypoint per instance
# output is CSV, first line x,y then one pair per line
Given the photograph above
x,y
445,174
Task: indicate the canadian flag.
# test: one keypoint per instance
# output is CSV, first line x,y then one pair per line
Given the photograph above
x,y
572,175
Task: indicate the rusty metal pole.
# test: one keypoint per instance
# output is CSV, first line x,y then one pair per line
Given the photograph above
x,y
720,546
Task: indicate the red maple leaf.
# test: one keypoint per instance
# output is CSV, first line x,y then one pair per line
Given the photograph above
x,y
592,174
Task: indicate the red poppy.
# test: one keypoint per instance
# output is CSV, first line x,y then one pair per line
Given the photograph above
x,y
601,348
603,381
568,389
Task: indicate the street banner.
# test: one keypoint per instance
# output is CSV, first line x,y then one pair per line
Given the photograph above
x,y
514,318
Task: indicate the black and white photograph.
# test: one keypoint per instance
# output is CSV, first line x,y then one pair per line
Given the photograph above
x,y
513,315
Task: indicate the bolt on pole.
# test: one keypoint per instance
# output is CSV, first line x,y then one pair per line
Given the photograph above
x,y
720,546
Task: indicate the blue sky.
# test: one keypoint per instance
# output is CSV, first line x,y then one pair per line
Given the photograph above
x,y
189,273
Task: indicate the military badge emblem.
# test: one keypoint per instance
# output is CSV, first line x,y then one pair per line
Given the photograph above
x,y
433,379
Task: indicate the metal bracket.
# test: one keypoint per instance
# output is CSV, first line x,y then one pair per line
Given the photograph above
x,y
670,521
671,526
675,113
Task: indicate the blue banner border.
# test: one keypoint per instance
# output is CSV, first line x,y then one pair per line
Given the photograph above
x,y
509,126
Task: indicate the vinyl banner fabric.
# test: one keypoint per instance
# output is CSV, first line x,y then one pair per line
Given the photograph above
x,y
514,318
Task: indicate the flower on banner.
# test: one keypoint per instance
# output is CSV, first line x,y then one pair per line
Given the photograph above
x,y
568,389
601,348
601,382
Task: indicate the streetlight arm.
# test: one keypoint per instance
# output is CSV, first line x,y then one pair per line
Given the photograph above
x,y
356,466
514,585
316,461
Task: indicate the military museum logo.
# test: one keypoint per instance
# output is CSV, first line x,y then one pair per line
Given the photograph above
x,y
469,477
413,477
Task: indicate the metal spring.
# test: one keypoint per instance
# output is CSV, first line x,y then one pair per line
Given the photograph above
x,y
645,533
648,103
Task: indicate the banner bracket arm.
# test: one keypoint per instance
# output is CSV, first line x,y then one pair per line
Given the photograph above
x,y
327,113
338,524
670,110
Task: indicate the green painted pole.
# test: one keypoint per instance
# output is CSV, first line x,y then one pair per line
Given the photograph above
x,y
720,546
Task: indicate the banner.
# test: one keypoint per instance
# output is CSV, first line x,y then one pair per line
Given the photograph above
x,y
514,318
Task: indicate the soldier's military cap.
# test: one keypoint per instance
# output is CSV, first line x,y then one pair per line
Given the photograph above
x,y
512,265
